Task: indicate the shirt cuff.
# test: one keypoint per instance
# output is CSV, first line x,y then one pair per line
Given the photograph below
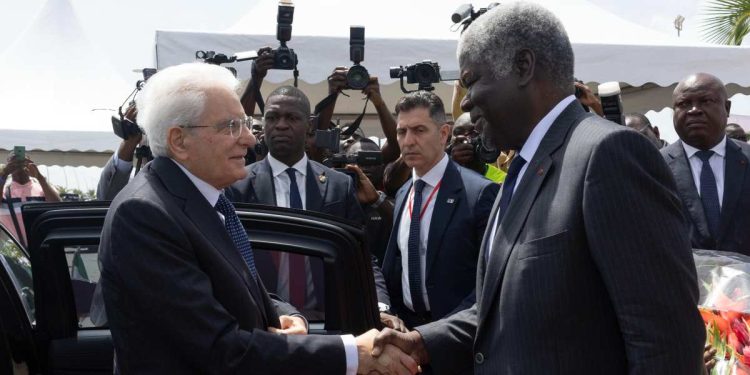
x,y
352,359
122,165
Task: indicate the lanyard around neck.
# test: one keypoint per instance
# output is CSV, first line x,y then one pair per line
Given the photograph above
x,y
429,198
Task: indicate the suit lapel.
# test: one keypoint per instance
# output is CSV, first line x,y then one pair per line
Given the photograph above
x,y
200,212
446,200
316,186
683,175
262,181
482,267
734,174
528,188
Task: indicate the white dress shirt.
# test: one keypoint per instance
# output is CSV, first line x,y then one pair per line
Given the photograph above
x,y
717,162
281,180
212,196
529,149
431,179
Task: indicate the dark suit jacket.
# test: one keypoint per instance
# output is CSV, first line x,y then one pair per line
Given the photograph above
x,y
462,206
734,228
178,295
590,271
333,195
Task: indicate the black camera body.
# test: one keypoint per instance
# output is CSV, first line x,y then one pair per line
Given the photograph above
x,y
284,57
357,77
125,128
481,152
361,158
465,14
424,74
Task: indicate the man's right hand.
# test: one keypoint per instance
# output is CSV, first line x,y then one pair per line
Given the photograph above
x,y
462,152
337,80
127,147
11,167
390,359
262,63
410,342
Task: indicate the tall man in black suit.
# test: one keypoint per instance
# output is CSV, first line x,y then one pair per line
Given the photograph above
x,y
179,280
314,187
586,266
440,215
711,170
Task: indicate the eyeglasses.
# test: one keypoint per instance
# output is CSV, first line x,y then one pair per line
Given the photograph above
x,y
232,127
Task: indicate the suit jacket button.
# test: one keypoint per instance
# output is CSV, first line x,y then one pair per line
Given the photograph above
x,y
479,358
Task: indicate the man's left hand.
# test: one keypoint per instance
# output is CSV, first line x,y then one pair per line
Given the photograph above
x,y
33,170
290,325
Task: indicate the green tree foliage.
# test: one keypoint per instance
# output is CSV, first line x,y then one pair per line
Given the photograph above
x,y
727,22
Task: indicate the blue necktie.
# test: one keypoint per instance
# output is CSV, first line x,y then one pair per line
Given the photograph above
x,y
295,200
415,270
237,233
709,193
508,185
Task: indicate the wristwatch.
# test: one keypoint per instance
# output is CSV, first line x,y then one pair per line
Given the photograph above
x,y
382,307
381,199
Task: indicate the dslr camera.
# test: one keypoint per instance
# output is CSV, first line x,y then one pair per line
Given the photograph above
x,y
465,14
331,141
357,76
424,74
284,57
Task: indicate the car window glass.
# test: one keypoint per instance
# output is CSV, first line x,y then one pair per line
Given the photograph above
x,y
294,278
84,274
18,266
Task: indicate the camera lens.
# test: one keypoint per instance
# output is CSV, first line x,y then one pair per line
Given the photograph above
x,y
425,73
357,77
396,72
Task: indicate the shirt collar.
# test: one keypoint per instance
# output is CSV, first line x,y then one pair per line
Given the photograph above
x,y
537,134
277,167
207,190
434,175
720,148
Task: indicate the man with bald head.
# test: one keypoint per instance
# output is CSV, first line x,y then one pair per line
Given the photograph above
x,y
735,131
710,169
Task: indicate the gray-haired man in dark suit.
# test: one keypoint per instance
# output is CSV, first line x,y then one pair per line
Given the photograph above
x,y
586,265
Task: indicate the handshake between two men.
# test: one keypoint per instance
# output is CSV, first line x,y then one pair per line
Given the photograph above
x,y
390,352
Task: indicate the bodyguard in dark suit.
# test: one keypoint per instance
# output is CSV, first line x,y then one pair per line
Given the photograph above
x,y
716,192
179,280
586,266
313,187
430,268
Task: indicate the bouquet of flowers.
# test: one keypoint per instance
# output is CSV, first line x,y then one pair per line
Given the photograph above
x,y
724,280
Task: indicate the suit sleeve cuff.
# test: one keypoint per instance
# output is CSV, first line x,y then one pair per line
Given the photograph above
x,y
352,360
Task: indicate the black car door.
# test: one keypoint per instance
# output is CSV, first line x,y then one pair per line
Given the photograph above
x,y
18,353
63,240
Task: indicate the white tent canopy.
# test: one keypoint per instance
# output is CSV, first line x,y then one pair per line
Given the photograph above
x,y
607,48
52,74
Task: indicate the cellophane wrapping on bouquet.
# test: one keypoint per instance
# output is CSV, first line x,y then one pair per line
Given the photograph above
x,y
724,282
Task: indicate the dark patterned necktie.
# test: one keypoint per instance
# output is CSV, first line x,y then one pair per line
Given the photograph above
x,y
415,269
509,185
709,193
297,272
237,233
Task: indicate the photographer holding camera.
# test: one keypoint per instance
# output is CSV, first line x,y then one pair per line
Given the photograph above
x,y
464,149
26,185
258,72
116,173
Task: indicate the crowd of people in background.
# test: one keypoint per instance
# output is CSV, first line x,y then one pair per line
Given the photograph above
x,y
600,218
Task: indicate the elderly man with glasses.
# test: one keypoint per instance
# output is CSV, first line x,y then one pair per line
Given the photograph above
x,y
178,275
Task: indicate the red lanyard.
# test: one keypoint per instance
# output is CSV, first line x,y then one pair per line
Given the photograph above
x,y
429,198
